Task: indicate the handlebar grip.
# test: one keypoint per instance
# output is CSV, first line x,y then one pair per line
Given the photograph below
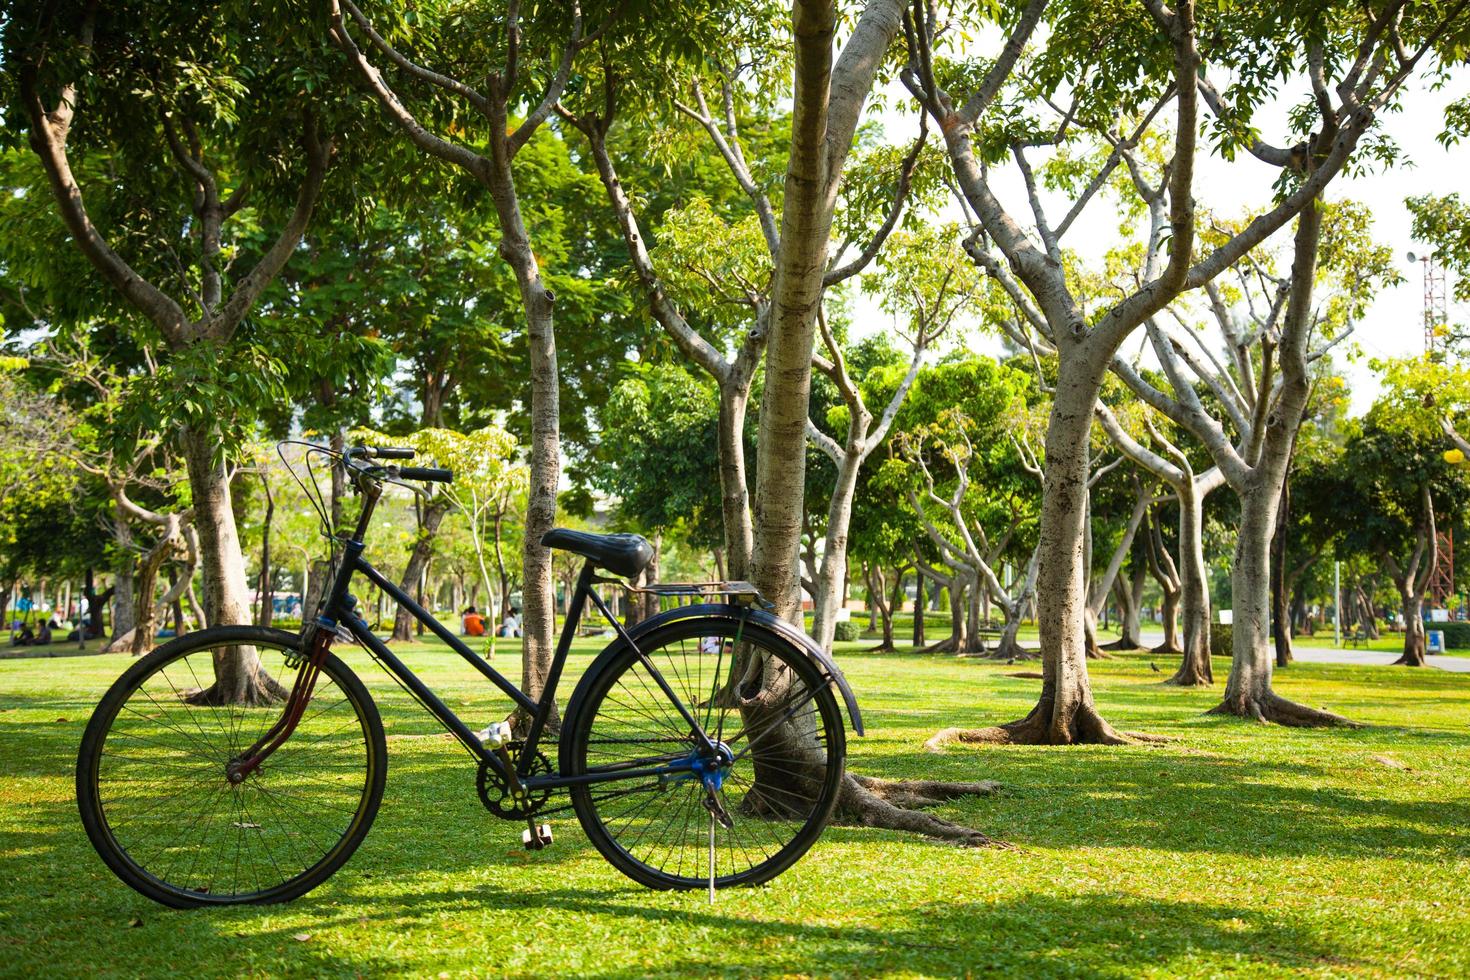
x,y
428,474
389,452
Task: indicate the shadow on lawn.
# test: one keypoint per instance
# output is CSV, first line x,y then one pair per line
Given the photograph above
x,y
1037,935
1166,800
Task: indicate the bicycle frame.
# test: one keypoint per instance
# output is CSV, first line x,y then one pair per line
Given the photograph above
x,y
339,610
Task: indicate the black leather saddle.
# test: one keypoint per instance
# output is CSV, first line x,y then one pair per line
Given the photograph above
x,y
621,554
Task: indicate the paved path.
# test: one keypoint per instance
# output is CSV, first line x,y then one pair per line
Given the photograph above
x,y
1338,655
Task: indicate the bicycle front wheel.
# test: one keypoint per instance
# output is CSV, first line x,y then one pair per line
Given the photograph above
x,y
151,775
756,804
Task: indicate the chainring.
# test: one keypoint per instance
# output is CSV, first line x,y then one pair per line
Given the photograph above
x,y
495,791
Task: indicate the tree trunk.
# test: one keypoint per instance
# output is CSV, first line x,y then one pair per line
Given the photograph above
x,y
267,588
918,609
1129,594
1195,669
895,603
144,629
1065,712
238,678
973,622
1416,638
959,636
1169,614
1280,600
124,608
418,560
538,587
1248,692
177,606
734,494
649,603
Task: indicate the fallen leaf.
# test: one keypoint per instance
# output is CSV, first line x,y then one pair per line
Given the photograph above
x,y
301,937
1392,763
134,923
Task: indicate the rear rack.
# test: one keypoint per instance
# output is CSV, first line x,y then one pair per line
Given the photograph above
x,y
687,593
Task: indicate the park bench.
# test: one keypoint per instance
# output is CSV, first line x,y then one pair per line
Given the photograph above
x,y
1357,638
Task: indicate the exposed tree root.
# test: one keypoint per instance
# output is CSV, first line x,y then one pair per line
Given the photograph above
x,y
1039,728
261,690
1120,644
1407,659
123,644
1194,671
1185,677
1010,653
886,804
1172,648
1272,707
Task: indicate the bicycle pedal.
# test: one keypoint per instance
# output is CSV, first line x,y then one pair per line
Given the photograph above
x,y
495,734
541,839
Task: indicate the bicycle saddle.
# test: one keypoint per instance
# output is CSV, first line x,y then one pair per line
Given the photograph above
x,y
621,554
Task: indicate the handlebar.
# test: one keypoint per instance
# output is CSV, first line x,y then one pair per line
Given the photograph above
x,y
382,452
428,474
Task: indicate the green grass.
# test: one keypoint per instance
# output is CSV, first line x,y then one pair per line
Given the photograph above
x,y
1236,849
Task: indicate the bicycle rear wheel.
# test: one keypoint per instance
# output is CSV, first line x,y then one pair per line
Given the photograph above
x,y
152,786
771,786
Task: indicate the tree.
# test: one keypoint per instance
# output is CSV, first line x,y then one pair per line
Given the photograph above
x,y
975,555
489,45
1183,583
196,141
485,475
1399,489
1168,69
923,278
1282,315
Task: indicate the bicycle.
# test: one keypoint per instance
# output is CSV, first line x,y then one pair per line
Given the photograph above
x,y
703,747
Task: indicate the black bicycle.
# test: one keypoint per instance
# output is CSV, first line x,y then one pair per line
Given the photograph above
x,y
238,764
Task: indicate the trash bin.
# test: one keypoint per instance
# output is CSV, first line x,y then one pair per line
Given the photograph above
x,y
1436,641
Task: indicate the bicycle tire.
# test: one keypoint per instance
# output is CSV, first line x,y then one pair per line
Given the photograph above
x,y
167,743
756,822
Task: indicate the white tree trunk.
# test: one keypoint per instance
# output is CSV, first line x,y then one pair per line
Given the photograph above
x,y
1194,598
832,575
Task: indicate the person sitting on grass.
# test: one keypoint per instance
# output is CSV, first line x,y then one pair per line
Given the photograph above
x,y
43,634
510,626
26,637
473,624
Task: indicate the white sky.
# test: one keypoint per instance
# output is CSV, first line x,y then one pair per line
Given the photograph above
x,y
1393,325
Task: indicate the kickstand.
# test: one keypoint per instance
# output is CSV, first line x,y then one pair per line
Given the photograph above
x,y
712,858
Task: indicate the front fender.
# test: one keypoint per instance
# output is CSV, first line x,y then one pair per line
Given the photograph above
x,y
734,612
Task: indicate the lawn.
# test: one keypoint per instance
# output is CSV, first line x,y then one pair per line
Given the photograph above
x,y
1236,849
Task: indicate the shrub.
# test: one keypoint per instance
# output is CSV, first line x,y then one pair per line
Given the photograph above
x,y
1220,639
847,631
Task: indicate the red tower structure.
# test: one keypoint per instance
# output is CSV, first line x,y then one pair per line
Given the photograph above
x,y
1436,318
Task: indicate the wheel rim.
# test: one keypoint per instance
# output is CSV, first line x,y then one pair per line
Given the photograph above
x,y
166,803
774,778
